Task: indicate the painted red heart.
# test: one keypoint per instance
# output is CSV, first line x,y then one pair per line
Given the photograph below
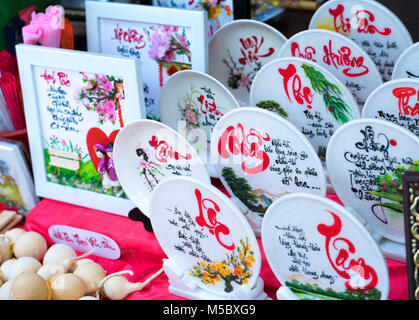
x,y
96,135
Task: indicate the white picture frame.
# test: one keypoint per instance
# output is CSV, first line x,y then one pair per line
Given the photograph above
x,y
74,142
113,27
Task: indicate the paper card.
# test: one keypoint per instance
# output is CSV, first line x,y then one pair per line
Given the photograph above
x,y
340,56
307,95
396,101
260,157
407,66
192,102
371,25
76,103
84,241
17,189
365,161
321,252
164,40
219,12
411,209
206,236
146,153
239,50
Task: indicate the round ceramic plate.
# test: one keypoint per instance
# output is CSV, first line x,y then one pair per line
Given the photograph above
x,y
206,235
395,101
321,252
239,50
285,86
260,156
340,56
371,25
407,65
192,102
364,160
147,152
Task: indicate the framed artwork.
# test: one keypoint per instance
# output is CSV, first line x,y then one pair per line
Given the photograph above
x,y
76,103
165,41
411,217
16,184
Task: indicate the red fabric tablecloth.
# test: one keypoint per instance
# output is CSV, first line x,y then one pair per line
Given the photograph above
x,y
141,253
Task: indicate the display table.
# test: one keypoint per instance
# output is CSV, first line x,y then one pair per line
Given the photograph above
x,y
141,253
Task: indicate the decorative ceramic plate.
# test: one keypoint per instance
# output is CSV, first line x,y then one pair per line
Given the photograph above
x,y
407,64
307,95
206,236
395,101
319,251
365,160
259,157
147,152
371,25
192,102
239,50
340,56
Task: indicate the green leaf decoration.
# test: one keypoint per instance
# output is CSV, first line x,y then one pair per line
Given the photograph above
x,y
273,106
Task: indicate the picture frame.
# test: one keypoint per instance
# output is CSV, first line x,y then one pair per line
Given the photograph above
x,y
411,219
145,32
76,103
17,188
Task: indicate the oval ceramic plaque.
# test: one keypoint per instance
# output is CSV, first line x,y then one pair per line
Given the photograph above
x,y
259,157
206,235
407,65
340,56
365,160
147,152
192,102
371,25
396,101
307,95
321,252
239,50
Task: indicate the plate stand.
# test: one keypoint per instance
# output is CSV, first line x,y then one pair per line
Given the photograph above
x,y
183,286
391,250
285,293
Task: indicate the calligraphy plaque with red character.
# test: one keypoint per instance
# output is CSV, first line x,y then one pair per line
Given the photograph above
x,y
239,50
319,251
164,40
147,152
307,95
366,159
371,25
259,157
340,56
192,102
396,101
212,251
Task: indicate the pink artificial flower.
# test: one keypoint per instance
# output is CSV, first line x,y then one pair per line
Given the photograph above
x,y
51,34
111,116
107,85
31,34
158,47
56,14
109,106
100,109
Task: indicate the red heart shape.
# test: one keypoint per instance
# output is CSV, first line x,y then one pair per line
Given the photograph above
x,y
96,135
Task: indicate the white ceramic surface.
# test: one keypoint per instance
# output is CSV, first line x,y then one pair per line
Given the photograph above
x,y
286,82
147,152
371,25
359,153
313,245
407,65
340,56
201,231
192,102
259,157
238,51
395,101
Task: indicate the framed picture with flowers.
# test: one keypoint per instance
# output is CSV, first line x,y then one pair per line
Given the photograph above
x,y
75,105
165,40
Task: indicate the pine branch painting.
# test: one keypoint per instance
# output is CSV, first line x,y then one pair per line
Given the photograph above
x,y
332,95
273,106
236,268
